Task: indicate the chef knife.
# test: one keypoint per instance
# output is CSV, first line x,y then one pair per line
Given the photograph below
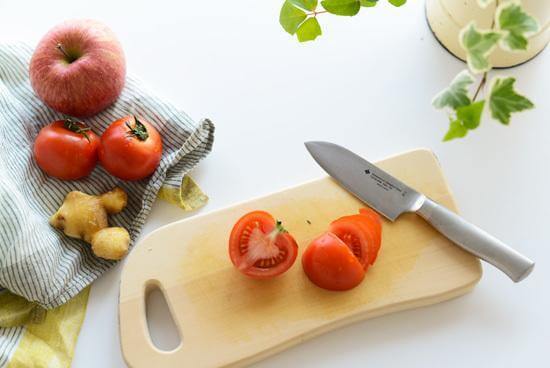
x,y
390,197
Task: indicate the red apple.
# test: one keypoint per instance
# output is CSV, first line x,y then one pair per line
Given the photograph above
x,y
78,68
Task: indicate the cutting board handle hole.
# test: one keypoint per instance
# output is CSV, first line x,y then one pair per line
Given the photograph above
x,y
163,331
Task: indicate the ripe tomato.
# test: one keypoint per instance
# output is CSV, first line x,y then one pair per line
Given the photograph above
x,y
66,149
260,247
362,233
338,259
373,220
356,236
130,148
330,264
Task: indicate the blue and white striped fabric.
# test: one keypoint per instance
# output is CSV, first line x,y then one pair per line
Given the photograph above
x,y
9,339
37,261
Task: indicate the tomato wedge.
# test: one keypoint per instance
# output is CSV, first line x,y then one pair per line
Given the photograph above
x,y
356,236
362,233
338,259
373,220
260,247
330,264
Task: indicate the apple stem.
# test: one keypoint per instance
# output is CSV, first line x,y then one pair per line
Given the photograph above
x,y
60,47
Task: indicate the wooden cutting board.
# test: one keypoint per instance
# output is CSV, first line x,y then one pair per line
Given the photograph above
x,y
227,319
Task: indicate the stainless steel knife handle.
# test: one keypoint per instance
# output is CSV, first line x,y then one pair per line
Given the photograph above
x,y
476,241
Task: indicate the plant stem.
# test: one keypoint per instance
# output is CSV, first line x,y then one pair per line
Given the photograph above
x,y
484,78
314,13
60,47
139,130
82,129
481,84
494,18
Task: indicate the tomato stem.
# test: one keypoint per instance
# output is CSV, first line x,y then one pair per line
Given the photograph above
x,y
279,229
139,130
279,226
73,126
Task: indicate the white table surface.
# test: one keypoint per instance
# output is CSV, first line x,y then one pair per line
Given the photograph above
x,y
367,84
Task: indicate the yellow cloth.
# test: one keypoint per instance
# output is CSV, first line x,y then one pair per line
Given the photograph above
x,y
49,337
16,311
51,344
188,196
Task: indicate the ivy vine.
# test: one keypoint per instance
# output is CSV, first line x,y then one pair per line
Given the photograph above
x,y
510,30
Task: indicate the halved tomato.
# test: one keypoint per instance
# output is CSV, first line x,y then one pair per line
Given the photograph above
x,y
330,264
260,247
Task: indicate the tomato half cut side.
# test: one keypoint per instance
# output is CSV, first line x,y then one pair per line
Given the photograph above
x,y
367,223
356,235
260,247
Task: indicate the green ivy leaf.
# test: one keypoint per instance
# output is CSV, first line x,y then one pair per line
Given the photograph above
x,y
291,17
397,2
478,45
305,4
342,7
456,95
504,100
368,3
517,25
456,130
309,30
470,115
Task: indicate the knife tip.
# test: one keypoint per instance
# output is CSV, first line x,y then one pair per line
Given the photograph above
x,y
311,144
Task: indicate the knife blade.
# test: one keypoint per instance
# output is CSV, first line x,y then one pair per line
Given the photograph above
x,y
386,194
391,198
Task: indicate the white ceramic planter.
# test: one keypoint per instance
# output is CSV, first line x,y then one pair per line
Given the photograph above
x,y
447,17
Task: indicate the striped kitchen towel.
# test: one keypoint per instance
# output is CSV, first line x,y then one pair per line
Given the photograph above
x,y
38,262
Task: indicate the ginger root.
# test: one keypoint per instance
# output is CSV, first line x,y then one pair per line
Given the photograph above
x,y
84,216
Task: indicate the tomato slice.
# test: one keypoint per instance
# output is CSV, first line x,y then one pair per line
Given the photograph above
x,y
356,236
375,222
330,264
373,219
260,247
362,233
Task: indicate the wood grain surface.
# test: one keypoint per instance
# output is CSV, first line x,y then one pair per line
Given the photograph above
x,y
227,319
